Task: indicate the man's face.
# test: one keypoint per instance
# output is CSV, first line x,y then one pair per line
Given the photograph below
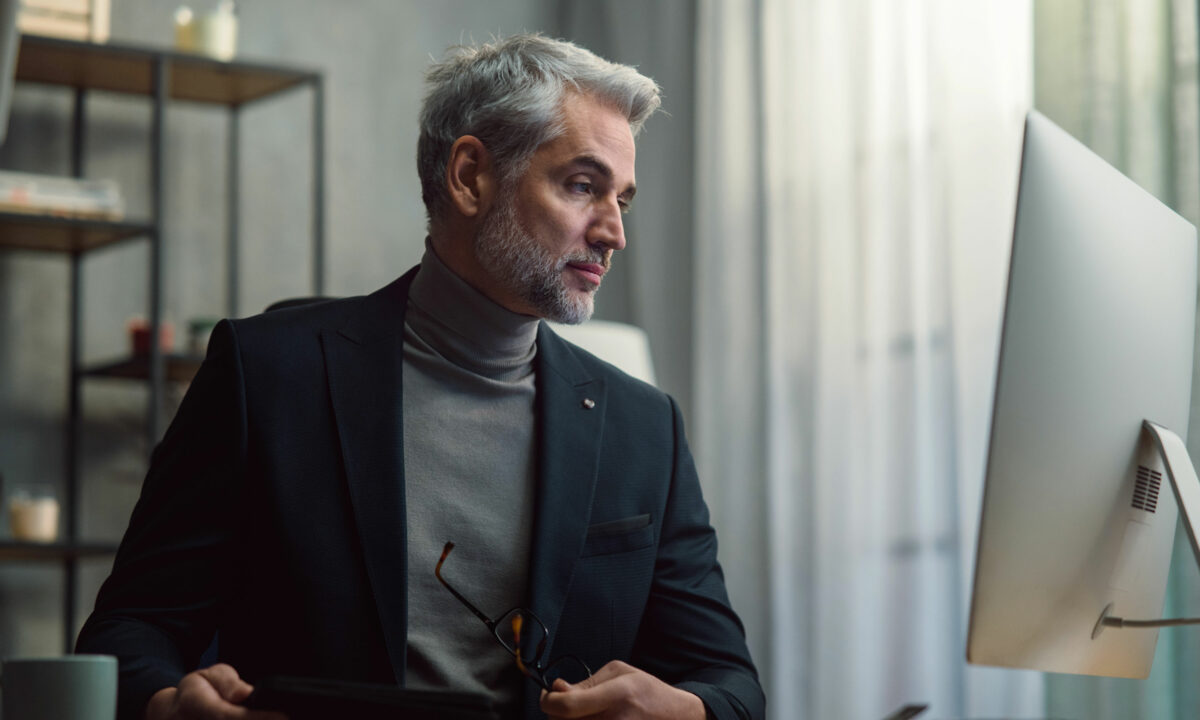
x,y
549,239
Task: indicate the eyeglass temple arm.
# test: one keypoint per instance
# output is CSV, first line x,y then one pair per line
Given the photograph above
x,y
438,572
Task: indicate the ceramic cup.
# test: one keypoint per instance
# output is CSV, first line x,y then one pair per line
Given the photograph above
x,y
33,513
72,687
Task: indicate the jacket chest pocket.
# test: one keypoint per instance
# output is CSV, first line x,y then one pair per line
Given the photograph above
x,y
608,591
617,536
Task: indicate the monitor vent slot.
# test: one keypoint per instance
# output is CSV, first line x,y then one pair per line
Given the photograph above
x,y
1145,494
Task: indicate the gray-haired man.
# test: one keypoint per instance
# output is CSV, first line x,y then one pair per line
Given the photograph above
x,y
324,456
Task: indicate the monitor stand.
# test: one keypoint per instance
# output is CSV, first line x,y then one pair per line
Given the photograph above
x,y
1186,485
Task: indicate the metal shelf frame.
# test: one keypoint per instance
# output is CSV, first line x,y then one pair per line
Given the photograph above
x,y
163,76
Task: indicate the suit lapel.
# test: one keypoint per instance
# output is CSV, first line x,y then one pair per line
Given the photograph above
x,y
570,416
363,361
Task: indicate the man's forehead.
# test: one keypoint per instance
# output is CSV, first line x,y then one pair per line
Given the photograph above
x,y
595,135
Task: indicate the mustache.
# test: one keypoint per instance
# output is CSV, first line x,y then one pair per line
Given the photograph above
x,y
599,257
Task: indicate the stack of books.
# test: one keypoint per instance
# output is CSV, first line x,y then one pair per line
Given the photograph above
x,y
60,196
86,20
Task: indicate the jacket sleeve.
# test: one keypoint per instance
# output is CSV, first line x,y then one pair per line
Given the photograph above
x,y
157,610
689,634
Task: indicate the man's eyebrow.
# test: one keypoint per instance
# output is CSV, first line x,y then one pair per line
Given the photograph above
x,y
602,168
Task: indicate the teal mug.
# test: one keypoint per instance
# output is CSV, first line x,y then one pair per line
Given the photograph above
x,y
71,687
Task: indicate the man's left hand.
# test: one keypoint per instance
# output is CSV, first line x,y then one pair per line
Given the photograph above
x,y
619,691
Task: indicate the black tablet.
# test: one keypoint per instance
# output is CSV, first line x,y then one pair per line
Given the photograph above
x,y
313,698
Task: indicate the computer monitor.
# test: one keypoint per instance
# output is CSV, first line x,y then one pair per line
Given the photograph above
x,y
1078,522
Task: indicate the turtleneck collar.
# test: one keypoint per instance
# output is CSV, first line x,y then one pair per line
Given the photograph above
x,y
465,326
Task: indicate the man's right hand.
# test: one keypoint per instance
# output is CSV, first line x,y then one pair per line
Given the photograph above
x,y
215,692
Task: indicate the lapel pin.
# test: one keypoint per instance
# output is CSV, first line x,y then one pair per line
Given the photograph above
x,y
588,403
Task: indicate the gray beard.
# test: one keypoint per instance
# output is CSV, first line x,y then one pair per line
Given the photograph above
x,y
528,270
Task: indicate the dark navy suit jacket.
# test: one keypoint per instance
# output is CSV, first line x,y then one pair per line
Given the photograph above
x,y
273,512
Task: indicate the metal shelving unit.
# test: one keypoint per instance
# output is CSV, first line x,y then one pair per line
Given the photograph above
x,y
55,552
64,235
162,76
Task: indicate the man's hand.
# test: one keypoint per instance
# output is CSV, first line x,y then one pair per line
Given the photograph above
x,y
621,692
215,692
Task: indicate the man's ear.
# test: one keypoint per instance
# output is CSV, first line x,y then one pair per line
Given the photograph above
x,y
470,177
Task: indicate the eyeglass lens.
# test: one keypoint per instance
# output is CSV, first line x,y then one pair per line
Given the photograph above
x,y
567,667
521,634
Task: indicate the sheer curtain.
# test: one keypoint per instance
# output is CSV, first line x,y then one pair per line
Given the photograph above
x,y
856,172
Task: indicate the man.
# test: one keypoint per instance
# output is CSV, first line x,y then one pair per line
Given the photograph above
x,y
324,455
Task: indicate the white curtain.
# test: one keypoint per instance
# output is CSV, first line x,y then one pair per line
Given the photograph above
x,y
856,174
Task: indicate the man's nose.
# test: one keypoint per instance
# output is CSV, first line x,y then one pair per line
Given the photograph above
x,y
608,228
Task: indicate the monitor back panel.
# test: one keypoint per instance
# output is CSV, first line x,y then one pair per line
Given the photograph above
x,y
1098,335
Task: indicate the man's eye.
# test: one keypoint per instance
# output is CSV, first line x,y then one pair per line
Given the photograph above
x,y
624,205
581,187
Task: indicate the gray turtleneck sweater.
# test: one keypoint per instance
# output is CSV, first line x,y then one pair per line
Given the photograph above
x,y
469,476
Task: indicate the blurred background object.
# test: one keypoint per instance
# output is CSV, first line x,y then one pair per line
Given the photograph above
x,y
33,512
199,329
71,19
139,336
211,33
8,59
62,196
623,345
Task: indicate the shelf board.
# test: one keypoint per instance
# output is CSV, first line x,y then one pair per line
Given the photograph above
x,y
130,69
17,550
180,368
48,233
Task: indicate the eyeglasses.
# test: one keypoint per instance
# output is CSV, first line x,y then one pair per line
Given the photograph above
x,y
524,636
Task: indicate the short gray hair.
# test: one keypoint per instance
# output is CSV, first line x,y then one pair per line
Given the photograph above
x,y
509,94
